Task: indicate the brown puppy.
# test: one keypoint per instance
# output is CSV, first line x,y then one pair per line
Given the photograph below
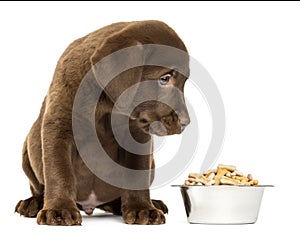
x,y
60,181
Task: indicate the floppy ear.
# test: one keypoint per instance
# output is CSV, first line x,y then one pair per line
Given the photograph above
x,y
117,65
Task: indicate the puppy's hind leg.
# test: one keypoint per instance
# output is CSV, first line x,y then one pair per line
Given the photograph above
x,y
31,206
113,207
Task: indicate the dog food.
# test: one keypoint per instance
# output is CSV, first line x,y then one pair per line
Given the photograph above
x,y
223,175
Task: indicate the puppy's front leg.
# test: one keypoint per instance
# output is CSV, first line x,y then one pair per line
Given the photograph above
x,y
137,207
59,179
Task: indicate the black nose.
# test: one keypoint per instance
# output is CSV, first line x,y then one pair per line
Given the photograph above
x,y
183,126
183,118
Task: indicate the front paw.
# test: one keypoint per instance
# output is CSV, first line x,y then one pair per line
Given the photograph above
x,y
151,216
30,207
65,217
160,205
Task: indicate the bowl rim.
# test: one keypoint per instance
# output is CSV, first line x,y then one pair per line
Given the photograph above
x,y
219,186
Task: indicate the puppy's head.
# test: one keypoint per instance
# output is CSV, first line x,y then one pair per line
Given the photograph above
x,y
164,111
155,100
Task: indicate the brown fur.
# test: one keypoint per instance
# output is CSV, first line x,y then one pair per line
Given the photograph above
x,y
59,179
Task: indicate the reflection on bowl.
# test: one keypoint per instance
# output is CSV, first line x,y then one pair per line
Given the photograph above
x,y
222,204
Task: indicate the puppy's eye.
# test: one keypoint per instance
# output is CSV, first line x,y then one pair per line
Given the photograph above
x,y
163,80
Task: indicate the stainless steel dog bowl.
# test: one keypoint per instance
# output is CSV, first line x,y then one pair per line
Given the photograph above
x,y
222,204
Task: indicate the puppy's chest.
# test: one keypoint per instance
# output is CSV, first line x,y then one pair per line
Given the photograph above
x,y
87,194
90,190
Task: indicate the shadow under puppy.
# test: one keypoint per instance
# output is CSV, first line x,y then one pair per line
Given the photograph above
x,y
61,181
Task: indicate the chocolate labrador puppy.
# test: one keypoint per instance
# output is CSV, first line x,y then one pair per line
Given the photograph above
x,y
61,181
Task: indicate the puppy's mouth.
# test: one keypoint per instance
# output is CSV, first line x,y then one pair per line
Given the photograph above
x,y
159,127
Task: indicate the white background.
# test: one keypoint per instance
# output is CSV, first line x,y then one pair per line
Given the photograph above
x,y
252,51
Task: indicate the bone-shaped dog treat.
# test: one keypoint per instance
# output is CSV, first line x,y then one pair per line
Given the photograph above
x,y
250,177
238,173
223,175
239,178
227,167
211,176
221,171
229,181
209,171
